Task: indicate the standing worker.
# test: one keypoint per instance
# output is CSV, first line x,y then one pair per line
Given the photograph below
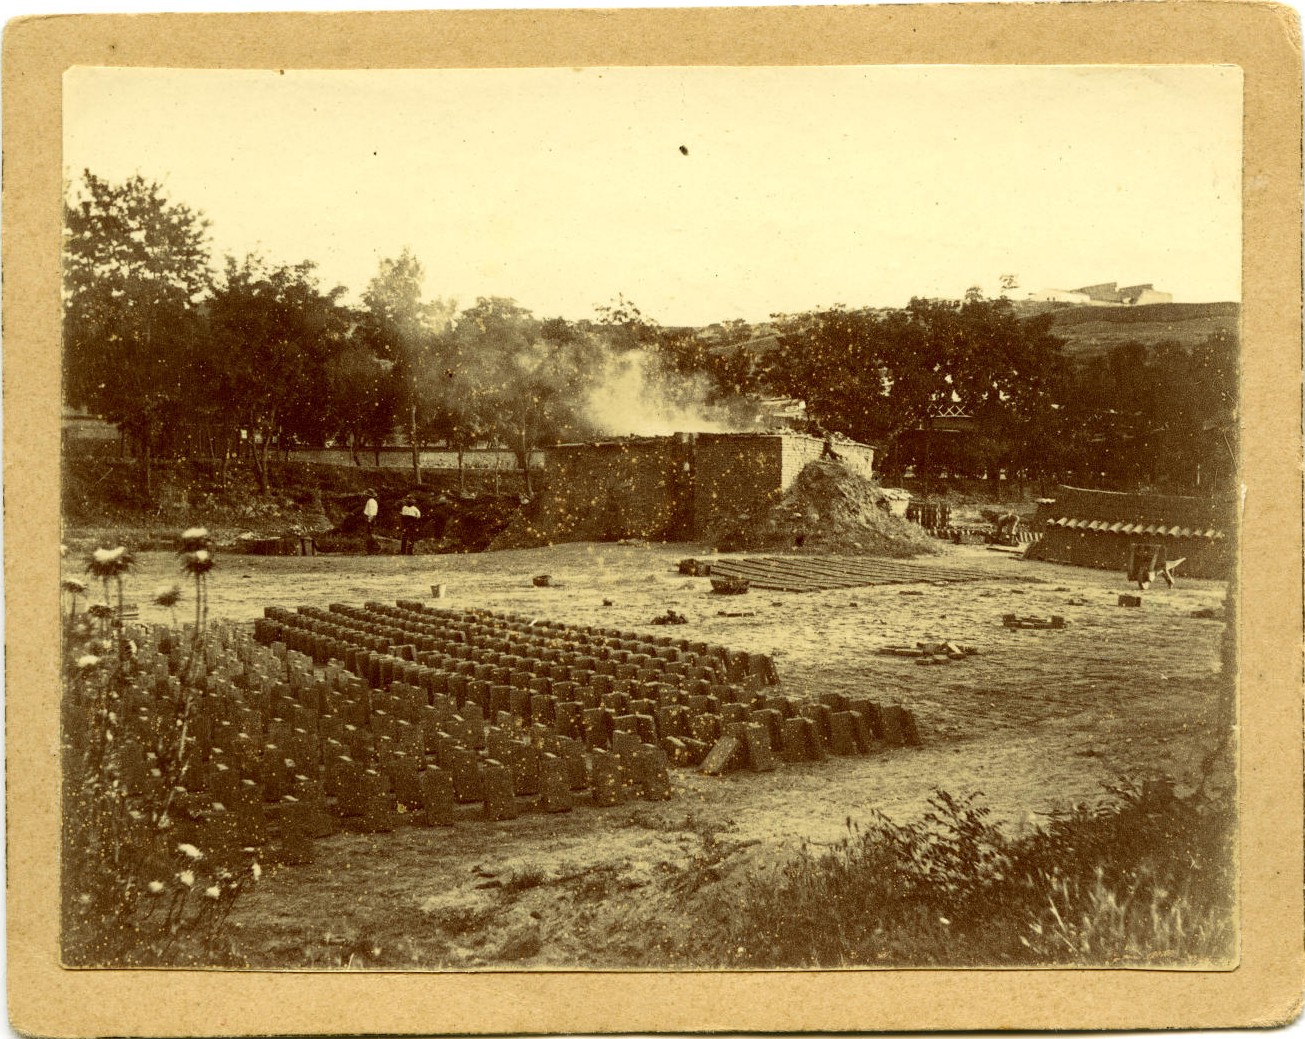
x,y
410,516
370,511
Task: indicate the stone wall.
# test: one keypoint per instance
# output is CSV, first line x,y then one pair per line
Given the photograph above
x,y
733,476
621,489
673,488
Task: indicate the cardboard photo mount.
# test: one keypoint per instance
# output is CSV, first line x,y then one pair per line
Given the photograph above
x,y
1264,989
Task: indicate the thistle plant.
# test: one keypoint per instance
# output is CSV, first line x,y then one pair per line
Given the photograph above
x,y
137,890
197,560
111,565
75,590
168,596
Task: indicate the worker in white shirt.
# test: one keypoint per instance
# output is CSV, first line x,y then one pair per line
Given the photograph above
x,y
370,510
410,516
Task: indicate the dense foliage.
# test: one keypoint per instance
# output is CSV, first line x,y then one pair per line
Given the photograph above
x,y
262,354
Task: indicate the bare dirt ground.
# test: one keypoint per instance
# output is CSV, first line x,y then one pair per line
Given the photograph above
x,y
1036,721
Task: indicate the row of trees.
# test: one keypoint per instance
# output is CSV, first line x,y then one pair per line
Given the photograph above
x,y
187,360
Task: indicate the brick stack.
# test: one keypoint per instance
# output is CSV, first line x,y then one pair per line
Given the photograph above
x,y
366,717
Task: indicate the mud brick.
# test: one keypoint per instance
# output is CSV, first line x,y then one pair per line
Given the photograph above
x,y
350,791
652,782
458,688
479,691
564,690
338,772
361,744
624,745
572,753
734,712
496,783
443,706
608,780
308,792
671,721
625,723
865,740
645,725
773,722
408,739
133,770
543,709
462,765
385,671
569,719
601,684
436,797
275,773
617,703
523,762
756,741
404,778
645,704
440,681
872,713
497,742
705,727
378,812
899,727
598,726
331,727
354,712
727,754
842,731
723,693
554,785
819,713
520,678
703,704
519,701
835,701
590,697
500,699
801,741
541,684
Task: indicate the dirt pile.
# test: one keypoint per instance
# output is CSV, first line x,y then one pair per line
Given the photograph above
x,y
829,508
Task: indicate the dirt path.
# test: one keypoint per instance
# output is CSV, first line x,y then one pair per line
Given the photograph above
x,y
1038,719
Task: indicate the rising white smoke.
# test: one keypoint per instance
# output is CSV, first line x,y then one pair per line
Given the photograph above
x,y
634,395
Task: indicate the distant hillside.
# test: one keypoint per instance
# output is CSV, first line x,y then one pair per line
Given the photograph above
x,y
1094,330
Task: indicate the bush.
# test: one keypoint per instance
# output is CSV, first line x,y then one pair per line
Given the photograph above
x,y
140,886
1145,878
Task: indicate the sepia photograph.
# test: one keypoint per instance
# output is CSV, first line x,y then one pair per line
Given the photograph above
x,y
650,518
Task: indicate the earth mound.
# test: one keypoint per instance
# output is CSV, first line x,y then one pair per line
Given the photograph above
x,y
829,508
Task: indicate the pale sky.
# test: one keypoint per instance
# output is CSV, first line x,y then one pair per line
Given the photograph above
x,y
802,187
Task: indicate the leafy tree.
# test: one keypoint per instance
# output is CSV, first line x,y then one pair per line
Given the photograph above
x,y
402,328
136,267
530,377
275,331
363,403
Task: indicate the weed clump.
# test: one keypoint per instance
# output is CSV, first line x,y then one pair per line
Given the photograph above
x,y
1144,879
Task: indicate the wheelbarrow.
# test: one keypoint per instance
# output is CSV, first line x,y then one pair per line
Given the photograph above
x,y
1147,561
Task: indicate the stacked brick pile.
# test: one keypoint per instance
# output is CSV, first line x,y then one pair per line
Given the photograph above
x,y
364,717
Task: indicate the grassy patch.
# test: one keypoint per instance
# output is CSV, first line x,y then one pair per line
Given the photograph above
x,y
1146,878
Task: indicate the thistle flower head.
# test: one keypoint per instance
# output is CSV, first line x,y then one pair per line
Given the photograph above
x,y
197,563
190,851
76,587
187,877
167,595
87,661
194,538
110,562
155,887
212,892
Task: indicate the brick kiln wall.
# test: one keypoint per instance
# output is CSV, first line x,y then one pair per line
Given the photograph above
x,y
735,475
624,489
